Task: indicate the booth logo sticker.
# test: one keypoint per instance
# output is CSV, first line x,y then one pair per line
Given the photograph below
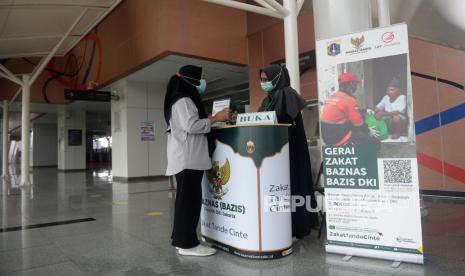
x,y
334,48
218,177
250,147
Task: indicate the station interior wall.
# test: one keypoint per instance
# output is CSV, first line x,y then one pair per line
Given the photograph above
x,y
138,33
139,102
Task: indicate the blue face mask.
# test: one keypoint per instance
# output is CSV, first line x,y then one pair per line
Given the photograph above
x,y
267,86
202,86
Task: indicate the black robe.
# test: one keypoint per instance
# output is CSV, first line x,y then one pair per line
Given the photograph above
x,y
288,103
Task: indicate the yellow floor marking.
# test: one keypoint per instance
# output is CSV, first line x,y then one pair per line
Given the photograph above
x,y
154,214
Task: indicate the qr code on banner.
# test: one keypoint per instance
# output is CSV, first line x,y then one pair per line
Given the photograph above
x,y
397,171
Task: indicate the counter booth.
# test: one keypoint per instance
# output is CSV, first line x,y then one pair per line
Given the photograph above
x,y
246,195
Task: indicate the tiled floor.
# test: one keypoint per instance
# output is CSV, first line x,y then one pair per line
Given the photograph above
x,y
130,235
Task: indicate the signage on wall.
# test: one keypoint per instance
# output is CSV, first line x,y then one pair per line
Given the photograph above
x,y
74,137
147,131
87,95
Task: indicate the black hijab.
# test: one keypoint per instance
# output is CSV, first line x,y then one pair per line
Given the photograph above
x,y
282,91
182,85
179,87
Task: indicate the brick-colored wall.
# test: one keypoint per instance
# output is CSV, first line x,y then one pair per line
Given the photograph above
x,y
267,45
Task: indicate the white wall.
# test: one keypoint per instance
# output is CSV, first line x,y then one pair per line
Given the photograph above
x,y
44,145
157,150
119,135
71,157
139,102
1,143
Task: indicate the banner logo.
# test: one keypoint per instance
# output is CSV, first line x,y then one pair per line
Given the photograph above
x,y
358,45
402,239
357,42
218,177
388,37
334,48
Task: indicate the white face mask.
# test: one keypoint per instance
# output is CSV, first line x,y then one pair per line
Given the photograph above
x,y
202,86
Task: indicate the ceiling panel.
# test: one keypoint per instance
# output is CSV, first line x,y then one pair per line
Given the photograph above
x,y
89,3
40,21
69,43
88,19
27,47
34,27
3,18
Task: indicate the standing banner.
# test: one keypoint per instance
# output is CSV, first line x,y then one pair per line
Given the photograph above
x,y
369,153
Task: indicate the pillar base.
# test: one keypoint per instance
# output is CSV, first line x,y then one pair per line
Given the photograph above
x,y
71,170
25,184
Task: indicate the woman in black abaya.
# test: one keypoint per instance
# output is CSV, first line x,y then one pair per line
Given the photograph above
x,y
288,103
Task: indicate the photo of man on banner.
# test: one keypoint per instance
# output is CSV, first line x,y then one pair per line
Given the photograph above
x,y
369,105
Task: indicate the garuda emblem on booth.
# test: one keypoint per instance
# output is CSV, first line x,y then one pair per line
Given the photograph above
x,y
357,42
218,177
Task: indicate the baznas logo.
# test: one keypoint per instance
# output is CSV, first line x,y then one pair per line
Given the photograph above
x,y
218,177
250,147
334,48
357,42
388,37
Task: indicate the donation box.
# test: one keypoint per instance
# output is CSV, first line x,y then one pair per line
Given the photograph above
x,y
246,195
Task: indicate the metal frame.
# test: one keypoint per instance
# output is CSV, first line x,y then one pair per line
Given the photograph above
x,y
248,7
26,82
7,74
5,148
288,12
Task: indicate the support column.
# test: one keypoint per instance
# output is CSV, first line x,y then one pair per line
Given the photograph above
x,y
338,17
5,148
25,135
71,145
384,17
44,145
291,43
132,156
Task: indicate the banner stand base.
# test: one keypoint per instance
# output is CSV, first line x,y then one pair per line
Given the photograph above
x,y
347,258
396,264
395,257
